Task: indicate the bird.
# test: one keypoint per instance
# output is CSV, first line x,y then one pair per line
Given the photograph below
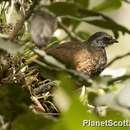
x,y
43,25
88,57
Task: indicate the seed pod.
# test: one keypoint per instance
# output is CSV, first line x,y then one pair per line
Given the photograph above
x,y
43,25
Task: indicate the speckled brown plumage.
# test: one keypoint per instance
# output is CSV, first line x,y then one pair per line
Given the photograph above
x,y
82,56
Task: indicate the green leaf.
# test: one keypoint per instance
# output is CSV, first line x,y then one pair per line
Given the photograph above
x,y
109,25
63,8
66,82
31,121
108,5
54,41
102,21
14,100
83,35
72,119
82,3
81,15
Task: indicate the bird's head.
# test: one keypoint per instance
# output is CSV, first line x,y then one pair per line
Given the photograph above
x,y
101,40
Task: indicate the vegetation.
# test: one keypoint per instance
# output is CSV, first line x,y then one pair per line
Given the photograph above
x,y
37,92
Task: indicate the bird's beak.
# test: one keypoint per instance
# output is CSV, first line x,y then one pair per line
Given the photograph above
x,y
114,41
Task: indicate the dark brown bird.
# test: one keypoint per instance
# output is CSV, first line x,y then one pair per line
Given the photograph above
x,y
88,57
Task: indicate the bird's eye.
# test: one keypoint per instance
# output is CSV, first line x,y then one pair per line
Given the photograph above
x,y
106,38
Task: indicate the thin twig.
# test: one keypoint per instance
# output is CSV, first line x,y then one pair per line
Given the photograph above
x,y
70,34
121,78
118,58
37,103
127,1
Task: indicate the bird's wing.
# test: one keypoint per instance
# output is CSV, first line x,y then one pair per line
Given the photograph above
x,y
65,52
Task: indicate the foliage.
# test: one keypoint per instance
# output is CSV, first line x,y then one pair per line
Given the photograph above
x,y
29,80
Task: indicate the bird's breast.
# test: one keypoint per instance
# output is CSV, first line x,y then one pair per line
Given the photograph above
x,y
90,62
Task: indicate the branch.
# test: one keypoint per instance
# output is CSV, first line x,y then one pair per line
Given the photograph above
x,y
118,58
127,1
121,78
19,25
70,34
